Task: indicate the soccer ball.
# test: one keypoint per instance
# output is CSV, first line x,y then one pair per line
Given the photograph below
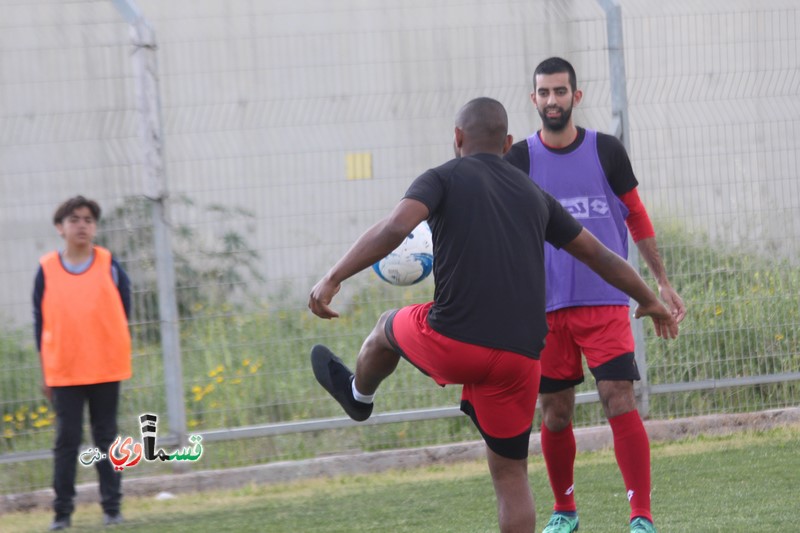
x,y
411,262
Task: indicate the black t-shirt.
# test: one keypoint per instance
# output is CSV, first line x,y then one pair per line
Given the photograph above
x,y
489,224
613,158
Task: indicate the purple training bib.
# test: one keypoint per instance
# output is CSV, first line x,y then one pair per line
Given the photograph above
x,y
578,182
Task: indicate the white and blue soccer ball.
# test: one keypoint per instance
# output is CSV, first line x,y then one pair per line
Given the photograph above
x,y
411,262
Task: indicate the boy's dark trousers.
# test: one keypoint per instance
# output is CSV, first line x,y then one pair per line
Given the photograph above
x,y
68,402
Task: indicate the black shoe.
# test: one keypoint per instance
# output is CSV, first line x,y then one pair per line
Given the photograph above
x,y
337,380
112,519
60,522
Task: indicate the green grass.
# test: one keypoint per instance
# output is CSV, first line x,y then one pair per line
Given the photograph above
x,y
738,483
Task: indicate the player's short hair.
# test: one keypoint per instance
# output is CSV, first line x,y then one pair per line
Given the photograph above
x,y
69,206
485,121
556,65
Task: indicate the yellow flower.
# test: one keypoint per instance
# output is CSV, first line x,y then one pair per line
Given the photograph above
x,y
208,388
779,337
34,416
193,423
197,389
41,423
8,418
254,369
246,362
220,379
20,416
42,409
718,311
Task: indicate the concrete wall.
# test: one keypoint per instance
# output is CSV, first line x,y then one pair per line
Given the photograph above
x,y
264,101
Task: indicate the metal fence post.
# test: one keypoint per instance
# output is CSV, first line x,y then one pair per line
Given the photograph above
x,y
145,68
620,128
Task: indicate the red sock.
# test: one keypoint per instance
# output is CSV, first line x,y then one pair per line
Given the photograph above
x,y
558,450
632,448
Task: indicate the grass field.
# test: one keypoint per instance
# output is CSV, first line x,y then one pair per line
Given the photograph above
x,y
739,483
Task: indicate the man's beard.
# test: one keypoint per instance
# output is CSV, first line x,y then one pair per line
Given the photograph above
x,y
555,123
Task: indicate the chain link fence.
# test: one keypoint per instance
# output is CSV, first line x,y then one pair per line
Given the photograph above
x,y
289,128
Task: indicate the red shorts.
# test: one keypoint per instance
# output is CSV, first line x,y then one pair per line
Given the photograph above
x,y
499,387
602,333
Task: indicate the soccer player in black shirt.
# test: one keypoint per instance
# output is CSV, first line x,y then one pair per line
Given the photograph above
x,y
486,324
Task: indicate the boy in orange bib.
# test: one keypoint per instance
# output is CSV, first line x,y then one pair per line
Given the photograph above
x,y
81,301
